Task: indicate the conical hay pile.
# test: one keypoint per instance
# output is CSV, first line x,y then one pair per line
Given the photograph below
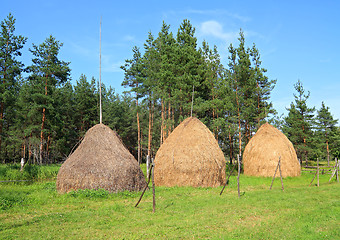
x,y
261,155
190,156
101,161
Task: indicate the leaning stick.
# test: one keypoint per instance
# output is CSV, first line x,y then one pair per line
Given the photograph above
x,y
281,173
149,177
231,171
274,174
313,178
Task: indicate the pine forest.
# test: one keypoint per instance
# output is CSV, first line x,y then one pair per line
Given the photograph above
x,y
43,116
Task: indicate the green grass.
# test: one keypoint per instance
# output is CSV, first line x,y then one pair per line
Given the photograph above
x,y
37,211
10,172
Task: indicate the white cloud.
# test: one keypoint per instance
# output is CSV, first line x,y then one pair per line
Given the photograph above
x,y
213,12
112,67
129,38
215,29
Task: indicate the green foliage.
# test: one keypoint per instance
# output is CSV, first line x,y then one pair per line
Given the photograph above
x,y
30,172
326,131
299,123
43,116
10,71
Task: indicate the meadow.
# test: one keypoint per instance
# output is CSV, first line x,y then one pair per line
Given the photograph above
x,y
34,210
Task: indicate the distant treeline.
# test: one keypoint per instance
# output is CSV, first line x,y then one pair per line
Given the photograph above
x,y
43,116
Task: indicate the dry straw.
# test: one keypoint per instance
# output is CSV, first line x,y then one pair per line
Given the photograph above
x,y
101,162
190,156
261,155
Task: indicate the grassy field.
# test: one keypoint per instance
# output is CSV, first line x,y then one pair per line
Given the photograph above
x,y
34,210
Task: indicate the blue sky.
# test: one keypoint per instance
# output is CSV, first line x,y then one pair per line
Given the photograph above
x,y
296,39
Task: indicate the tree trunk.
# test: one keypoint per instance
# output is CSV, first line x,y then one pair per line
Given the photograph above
x,y
43,126
230,146
258,104
1,122
169,118
162,123
327,151
47,148
239,123
138,135
149,134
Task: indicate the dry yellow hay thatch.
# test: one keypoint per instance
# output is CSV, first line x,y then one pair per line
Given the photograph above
x,y
101,161
261,155
190,156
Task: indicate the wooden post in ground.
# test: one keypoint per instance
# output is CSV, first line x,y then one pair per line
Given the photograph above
x,y
153,187
281,173
147,166
317,170
337,168
238,175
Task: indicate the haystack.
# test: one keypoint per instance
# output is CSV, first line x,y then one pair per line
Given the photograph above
x,y
261,155
190,156
101,161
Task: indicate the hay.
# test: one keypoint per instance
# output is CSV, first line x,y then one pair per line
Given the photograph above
x,y
190,156
261,155
101,162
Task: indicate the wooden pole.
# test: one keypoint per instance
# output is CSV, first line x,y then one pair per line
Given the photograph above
x,y
317,170
231,171
147,165
100,71
149,178
314,178
238,175
281,174
337,170
274,174
153,188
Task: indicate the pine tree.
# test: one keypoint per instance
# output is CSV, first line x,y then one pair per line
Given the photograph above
x,y
166,48
299,123
47,72
10,67
134,78
264,86
151,62
86,107
326,127
188,61
63,132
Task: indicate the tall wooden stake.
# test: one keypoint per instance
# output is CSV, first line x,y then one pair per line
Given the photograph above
x,y
153,187
100,71
337,161
281,174
317,170
336,170
238,175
